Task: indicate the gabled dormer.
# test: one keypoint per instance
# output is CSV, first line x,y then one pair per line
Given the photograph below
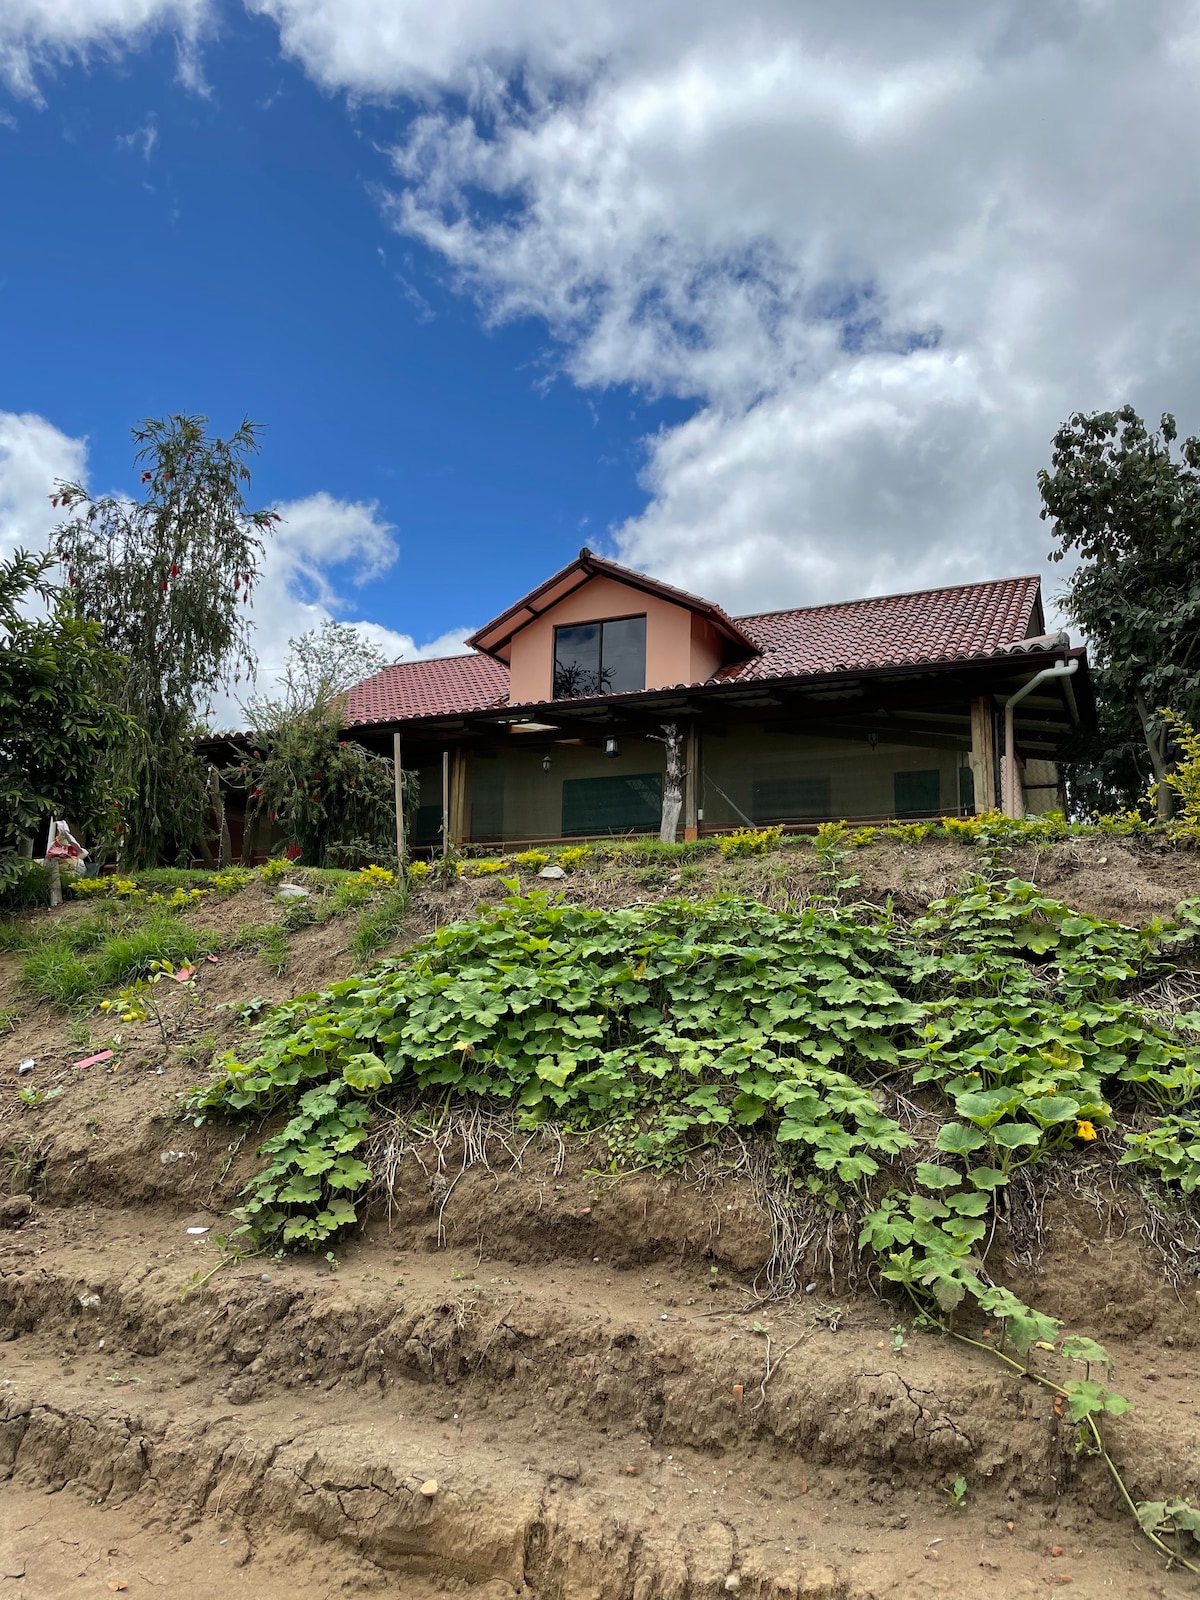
x,y
597,628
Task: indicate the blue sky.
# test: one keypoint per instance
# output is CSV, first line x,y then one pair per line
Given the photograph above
x,y
780,302
226,254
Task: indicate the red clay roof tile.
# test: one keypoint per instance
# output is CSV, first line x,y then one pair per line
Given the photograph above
x,y
927,626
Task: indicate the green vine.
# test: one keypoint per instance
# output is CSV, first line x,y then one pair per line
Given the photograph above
x,y
663,1026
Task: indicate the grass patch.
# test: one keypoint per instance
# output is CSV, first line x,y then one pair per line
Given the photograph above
x,y
380,923
268,940
274,949
75,966
57,974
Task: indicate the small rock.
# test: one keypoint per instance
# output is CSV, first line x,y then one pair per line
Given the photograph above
x,y
429,1488
264,1277
292,891
26,1066
241,1391
90,1302
733,1583
15,1210
569,1471
169,1157
552,872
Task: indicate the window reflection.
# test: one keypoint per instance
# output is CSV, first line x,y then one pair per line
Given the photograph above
x,y
594,658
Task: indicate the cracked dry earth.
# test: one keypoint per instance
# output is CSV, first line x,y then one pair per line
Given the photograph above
x,y
593,1430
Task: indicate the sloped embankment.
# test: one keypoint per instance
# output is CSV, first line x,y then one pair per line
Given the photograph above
x,y
534,1371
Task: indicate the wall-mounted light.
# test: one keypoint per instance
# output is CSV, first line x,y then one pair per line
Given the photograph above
x,y
612,748
546,762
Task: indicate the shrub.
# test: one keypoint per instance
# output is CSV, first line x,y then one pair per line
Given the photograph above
x,y
749,842
25,884
532,860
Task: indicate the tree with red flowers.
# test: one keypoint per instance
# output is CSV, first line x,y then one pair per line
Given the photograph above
x,y
168,578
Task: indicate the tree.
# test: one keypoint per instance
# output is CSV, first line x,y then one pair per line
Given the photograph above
x,y
57,715
167,578
321,665
674,774
330,799
1129,507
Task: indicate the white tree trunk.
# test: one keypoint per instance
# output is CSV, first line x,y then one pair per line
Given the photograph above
x,y
676,772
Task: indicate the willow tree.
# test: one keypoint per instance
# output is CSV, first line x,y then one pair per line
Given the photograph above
x,y
168,578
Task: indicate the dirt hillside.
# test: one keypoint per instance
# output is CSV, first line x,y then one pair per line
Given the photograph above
x,y
528,1375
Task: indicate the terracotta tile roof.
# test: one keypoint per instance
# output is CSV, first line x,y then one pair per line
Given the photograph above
x,y
970,619
442,687
927,626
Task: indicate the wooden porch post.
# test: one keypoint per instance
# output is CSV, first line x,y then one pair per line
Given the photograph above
x,y
399,779
446,801
691,792
983,753
459,797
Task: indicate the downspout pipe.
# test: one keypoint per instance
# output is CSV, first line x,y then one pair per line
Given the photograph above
x,y
1060,669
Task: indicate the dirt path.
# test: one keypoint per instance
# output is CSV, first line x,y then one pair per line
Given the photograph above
x,y
592,1432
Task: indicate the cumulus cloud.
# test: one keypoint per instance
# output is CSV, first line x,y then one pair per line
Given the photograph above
x,y
33,454
884,249
324,550
37,35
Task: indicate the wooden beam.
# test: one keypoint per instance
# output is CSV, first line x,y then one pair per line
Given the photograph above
x,y
459,795
983,753
691,793
446,801
399,791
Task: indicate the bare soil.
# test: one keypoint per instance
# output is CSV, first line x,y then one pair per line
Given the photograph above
x,y
578,1370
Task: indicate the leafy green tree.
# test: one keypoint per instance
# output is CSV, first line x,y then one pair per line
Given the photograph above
x,y
1128,506
168,578
58,721
330,799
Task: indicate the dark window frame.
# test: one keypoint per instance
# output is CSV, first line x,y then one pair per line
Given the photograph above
x,y
601,623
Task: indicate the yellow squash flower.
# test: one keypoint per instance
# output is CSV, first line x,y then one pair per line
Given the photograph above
x,y
1084,1130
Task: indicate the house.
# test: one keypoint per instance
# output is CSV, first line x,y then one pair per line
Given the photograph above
x,y
551,727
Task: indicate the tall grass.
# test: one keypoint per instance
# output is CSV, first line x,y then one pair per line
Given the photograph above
x,y
78,965
380,923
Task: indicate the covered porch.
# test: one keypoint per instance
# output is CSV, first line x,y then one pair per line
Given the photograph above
x,y
898,743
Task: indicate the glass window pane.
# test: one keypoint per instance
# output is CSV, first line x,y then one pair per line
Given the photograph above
x,y
577,661
623,666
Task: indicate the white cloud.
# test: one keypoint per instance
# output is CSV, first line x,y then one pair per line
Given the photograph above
x,y
321,540
33,454
322,546
37,35
885,249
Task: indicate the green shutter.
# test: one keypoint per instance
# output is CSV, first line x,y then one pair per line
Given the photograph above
x,y
624,803
918,794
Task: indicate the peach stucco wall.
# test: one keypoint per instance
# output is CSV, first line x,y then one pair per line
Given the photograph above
x,y
677,650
